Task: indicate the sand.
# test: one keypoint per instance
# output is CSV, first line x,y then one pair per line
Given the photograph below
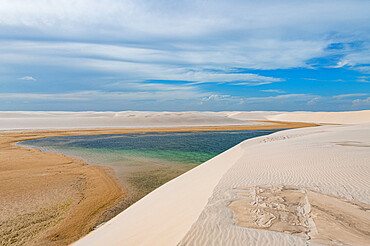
x,y
124,119
350,117
47,198
328,164
302,212
51,199
143,119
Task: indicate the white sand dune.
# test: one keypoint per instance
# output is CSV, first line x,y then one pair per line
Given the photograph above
x,y
350,117
193,208
130,119
124,119
248,115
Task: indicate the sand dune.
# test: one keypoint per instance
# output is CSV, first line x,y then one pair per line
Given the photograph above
x,y
351,117
193,209
139,119
325,168
124,119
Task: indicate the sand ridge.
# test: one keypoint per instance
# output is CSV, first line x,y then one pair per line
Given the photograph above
x,y
308,159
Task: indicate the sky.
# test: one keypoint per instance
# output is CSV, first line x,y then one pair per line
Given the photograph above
x,y
178,55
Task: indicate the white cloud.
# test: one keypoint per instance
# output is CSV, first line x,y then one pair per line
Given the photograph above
x,y
27,78
155,93
137,64
216,97
182,18
364,79
363,69
361,102
222,99
274,91
313,101
195,41
285,97
357,59
350,95
247,34
342,64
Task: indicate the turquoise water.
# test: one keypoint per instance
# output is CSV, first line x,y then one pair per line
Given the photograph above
x,y
180,147
145,161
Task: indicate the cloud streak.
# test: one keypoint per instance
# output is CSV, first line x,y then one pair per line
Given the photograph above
x,y
27,78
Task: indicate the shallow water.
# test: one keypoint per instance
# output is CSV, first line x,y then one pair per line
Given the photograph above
x,y
145,161
183,147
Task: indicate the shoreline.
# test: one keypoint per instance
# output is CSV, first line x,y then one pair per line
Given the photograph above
x,y
86,194
304,185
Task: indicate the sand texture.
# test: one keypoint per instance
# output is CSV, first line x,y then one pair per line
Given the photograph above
x,y
301,212
47,198
308,159
51,199
329,163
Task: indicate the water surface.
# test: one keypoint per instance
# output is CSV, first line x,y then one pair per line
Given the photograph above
x,y
144,161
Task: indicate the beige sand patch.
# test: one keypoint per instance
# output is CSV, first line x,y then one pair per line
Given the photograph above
x,y
304,213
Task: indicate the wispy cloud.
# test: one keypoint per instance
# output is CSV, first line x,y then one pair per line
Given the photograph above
x,y
137,64
364,79
27,78
296,97
274,91
216,98
361,102
313,101
350,95
159,95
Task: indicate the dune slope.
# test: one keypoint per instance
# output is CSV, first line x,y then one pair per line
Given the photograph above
x,y
193,208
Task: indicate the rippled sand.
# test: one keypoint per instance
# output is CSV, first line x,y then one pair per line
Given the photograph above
x,y
329,163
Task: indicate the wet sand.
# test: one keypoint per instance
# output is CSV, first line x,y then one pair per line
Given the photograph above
x,y
51,199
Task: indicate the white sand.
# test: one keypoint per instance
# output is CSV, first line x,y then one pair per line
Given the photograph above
x,y
124,119
193,208
10,120
350,117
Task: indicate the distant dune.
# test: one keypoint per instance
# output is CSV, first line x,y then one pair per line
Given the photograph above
x,y
124,119
137,119
350,117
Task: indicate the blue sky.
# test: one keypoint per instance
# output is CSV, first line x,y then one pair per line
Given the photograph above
x,y
184,55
